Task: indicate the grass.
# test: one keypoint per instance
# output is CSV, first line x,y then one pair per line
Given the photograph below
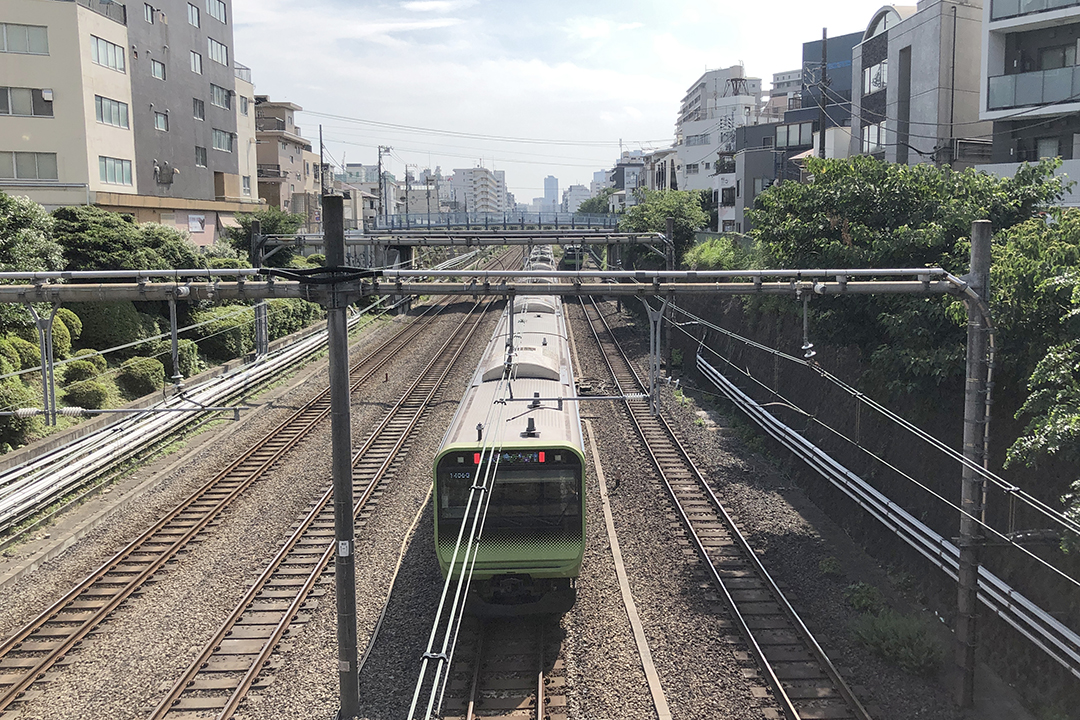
x,y
830,566
864,597
903,640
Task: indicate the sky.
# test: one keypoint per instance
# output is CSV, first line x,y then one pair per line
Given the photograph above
x,y
531,88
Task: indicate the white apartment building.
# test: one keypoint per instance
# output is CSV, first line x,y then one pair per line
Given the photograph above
x,y
715,105
1031,84
572,198
479,190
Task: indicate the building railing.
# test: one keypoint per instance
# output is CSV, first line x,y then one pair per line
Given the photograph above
x,y
242,71
1000,9
507,220
271,171
1042,87
112,10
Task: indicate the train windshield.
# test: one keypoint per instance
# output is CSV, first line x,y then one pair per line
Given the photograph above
x,y
524,499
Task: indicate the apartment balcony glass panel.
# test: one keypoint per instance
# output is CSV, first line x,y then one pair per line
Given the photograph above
x,y
1034,88
1011,8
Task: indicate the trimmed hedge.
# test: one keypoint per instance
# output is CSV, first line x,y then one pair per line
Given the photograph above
x,y
29,354
108,324
7,351
92,394
229,332
287,316
93,356
79,370
18,431
71,320
188,352
141,376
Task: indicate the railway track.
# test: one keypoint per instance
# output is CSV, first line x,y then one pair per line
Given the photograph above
x,y
29,654
232,662
507,669
800,678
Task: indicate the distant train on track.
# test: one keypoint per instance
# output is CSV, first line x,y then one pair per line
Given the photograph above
x,y
529,554
573,257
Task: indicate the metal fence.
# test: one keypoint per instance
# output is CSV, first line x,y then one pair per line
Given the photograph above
x,y
494,220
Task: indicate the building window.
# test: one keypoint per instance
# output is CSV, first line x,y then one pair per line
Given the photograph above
x,y
27,166
106,53
247,185
218,52
1057,57
200,156
111,112
795,135
220,96
727,196
729,225
196,62
192,15
223,140
161,121
30,39
114,171
243,105
284,147
198,109
691,168
1048,147
157,69
30,102
216,8
148,13
873,138
875,77
698,139
707,166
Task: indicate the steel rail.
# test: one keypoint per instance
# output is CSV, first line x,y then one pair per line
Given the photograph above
x,y
299,424
427,384
787,702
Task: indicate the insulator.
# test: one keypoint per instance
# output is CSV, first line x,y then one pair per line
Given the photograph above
x,y
71,411
27,412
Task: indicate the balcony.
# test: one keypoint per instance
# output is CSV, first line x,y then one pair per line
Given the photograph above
x,y
1000,9
1033,88
271,173
112,10
242,71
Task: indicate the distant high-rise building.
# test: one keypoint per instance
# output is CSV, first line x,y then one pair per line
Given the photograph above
x,y
551,193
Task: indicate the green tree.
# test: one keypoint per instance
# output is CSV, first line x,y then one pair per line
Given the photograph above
x,y
597,205
272,221
26,244
861,213
96,239
654,207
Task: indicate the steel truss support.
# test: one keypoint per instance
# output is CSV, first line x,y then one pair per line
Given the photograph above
x,y
44,327
655,320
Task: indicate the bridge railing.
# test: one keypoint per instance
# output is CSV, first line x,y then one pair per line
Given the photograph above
x,y
508,220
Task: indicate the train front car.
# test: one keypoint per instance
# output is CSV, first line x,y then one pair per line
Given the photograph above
x,y
529,554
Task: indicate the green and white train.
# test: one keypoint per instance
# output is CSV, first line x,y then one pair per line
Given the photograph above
x,y
528,555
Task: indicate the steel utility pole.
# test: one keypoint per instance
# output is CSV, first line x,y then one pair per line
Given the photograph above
x,y
821,87
383,150
337,304
669,255
971,493
262,326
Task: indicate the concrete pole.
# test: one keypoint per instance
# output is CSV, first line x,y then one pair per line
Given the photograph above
x,y
341,448
670,256
262,327
971,495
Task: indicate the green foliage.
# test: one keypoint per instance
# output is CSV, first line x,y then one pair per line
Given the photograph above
x,y
187,354
716,254
29,354
597,205
96,239
830,566
26,244
110,324
71,321
710,203
862,212
286,316
61,339
656,206
903,640
9,353
140,376
94,357
316,260
272,222
15,431
92,394
79,370
864,597
228,333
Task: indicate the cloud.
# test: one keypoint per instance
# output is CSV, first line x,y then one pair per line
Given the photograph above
x,y
592,28
437,6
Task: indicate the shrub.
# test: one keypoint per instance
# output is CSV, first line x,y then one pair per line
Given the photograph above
x,y
187,350
108,324
79,370
72,321
92,394
29,354
285,317
864,597
141,376
93,356
900,639
316,259
830,566
8,352
61,338
228,333
18,431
